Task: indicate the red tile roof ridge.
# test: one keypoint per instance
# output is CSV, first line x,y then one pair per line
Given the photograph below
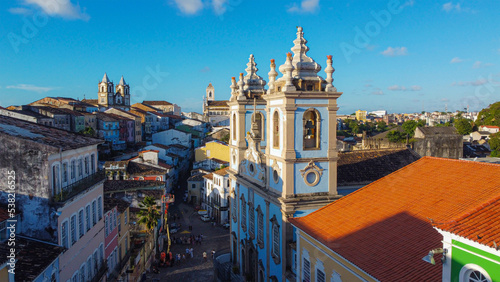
x,y
468,212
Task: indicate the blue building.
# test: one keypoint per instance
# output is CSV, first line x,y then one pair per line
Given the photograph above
x,y
283,159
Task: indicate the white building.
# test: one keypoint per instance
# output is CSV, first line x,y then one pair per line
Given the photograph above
x,y
215,195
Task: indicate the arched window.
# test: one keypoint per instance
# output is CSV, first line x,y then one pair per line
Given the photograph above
x,y
234,127
311,123
276,130
259,120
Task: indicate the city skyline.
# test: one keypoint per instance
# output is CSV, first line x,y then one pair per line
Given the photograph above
x,y
400,56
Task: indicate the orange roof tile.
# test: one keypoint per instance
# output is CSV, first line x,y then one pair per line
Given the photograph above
x,y
209,176
479,225
390,218
222,171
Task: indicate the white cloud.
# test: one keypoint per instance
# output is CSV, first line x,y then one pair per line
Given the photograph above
x,y
29,87
189,7
20,11
450,7
396,51
403,88
219,6
479,64
477,82
456,60
306,6
62,8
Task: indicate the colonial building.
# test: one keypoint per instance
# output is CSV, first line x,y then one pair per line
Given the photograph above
x,y
111,97
216,112
283,159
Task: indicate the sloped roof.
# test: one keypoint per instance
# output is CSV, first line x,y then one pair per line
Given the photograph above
x,y
157,103
196,177
209,176
217,103
479,225
440,130
33,257
391,217
122,185
46,135
110,202
363,167
222,171
134,168
93,102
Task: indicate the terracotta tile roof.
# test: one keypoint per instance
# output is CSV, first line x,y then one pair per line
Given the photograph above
x,y
144,169
217,103
157,103
222,171
33,257
166,147
490,126
122,185
390,218
209,176
91,101
46,135
110,202
196,177
479,225
162,163
363,167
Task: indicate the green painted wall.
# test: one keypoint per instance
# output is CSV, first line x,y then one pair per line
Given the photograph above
x,y
461,257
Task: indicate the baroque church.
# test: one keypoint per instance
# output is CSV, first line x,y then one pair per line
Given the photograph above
x,y
111,97
215,111
283,159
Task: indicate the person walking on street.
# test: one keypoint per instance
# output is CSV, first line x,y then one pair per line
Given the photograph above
x,y
191,252
205,256
213,253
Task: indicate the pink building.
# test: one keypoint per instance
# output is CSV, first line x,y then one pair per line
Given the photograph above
x,y
111,237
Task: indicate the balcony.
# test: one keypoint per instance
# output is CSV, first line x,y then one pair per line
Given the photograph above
x,y
101,272
76,188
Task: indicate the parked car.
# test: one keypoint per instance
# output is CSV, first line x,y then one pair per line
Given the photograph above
x,y
202,212
205,218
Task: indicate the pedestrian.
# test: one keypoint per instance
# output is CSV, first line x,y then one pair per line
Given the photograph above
x,y
191,252
205,256
183,257
213,253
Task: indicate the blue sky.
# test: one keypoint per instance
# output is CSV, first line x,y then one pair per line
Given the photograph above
x,y
401,56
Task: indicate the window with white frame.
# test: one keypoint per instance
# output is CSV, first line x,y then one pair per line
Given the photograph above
x,y
251,218
87,216
101,252
243,213
99,208
473,273
306,270
86,165
56,185
320,271
94,215
65,172
73,229
73,169
336,277
81,225
260,227
64,234
275,248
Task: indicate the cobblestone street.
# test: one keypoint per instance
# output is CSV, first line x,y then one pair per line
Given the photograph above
x,y
196,268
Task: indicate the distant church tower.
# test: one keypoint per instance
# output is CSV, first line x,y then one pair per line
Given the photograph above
x,y
210,92
108,98
105,92
283,159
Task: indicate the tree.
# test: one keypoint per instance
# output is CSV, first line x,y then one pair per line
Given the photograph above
x,y
494,143
381,126
89,131
396,136
409,127
225,138
489,115
463,126
149,213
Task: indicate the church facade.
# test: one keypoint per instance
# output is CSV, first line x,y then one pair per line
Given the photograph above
x,y
111,97
283,159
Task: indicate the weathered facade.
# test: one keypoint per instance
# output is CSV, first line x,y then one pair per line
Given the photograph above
x,y
442,142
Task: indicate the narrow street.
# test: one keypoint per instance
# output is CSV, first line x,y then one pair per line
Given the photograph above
x,y
214,238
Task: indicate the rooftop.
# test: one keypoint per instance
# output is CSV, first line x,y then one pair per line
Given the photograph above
x,y
49,136
217,103
33,257
392,216
365,166
442,130
157,103
110,202
479,225
123,185
196,177
222,171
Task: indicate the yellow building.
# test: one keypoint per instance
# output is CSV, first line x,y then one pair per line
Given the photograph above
x,y
212,150
361,115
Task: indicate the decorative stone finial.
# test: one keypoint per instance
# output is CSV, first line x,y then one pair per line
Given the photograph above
x,y
329,71
287,70
253,82
241,84
272,77
304,65
233,87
